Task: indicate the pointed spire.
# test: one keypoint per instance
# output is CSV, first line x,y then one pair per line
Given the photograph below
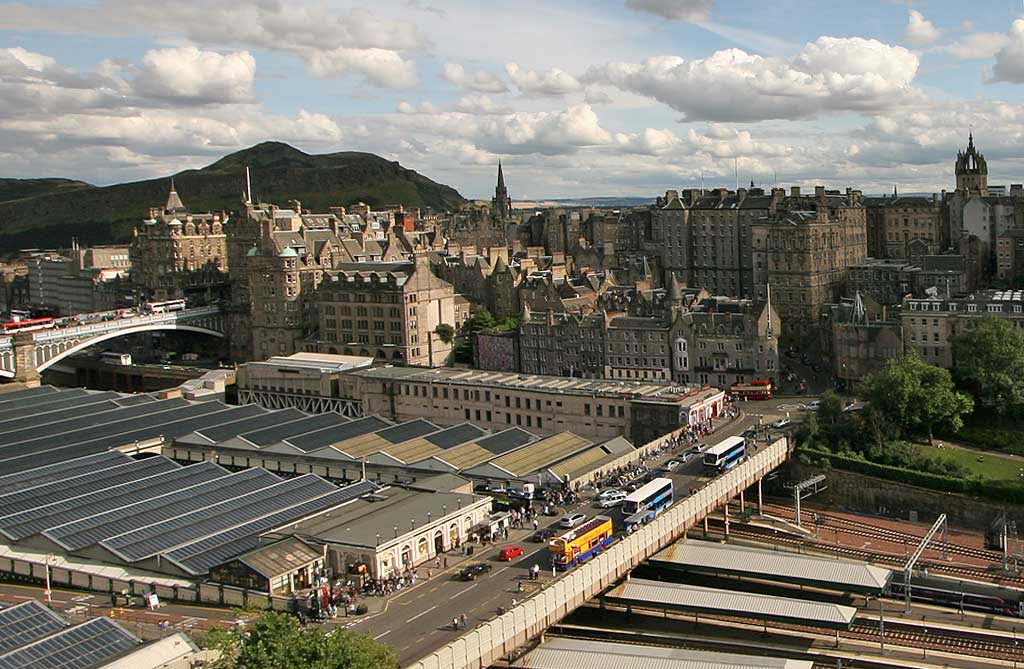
x,y
895,191
970,139
501,176
174,203
646,269
675,291
500,265
525,316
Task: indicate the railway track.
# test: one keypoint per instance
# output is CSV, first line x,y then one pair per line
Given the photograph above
x,y
863,554
869,531
896,633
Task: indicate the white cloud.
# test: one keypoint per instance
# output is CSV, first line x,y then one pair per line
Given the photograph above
x,y
1009,65
828,75
481,81
480,104
977,46
552,82
123,120
674,10
380,66
920,30
330,42
186,73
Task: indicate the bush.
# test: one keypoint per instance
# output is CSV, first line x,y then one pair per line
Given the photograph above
x,y
1007,441
1003,491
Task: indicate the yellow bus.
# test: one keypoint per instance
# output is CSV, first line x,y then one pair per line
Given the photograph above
x,y
581,543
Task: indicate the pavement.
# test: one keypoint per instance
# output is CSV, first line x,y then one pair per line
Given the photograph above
x,y
418,619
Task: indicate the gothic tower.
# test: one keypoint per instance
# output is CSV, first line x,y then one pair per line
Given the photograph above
x,y
971,170
501,205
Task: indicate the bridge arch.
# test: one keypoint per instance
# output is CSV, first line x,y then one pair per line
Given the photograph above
x,y
92,341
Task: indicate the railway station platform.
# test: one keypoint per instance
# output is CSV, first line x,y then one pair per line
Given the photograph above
x,y
705,557
642,593
558,653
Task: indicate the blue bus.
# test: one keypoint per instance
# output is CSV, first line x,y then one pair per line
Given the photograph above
x,y
724,455
645,503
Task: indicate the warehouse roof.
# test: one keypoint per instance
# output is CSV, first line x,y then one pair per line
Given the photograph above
x,y
361,522
280,557
558,653
659,595
730,559
649,390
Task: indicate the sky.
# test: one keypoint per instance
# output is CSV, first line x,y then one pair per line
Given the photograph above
x,y
577,98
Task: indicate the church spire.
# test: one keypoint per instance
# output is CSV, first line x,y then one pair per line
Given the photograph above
x,y
174,203
501,205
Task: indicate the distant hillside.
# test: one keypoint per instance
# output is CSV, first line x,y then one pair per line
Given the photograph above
x,y
49,212
598,202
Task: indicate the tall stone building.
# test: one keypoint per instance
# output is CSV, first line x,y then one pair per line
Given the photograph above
x,y
722,341
980,214
390,311
804,254
179,254
906,228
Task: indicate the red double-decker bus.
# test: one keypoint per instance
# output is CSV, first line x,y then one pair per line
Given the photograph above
x,y
758,389
27,325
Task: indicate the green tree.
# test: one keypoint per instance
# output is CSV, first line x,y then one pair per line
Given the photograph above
x,y
917,396
988,362
831,409
277,641
445,332
482,320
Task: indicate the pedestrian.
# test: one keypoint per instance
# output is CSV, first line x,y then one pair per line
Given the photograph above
x,y
535,525
465,621
455,623
429,573
445,561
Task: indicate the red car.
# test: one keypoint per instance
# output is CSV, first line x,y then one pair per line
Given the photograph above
x,y
509,552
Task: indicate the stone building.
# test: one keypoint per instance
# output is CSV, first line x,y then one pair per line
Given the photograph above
x,y
722,341
1010,258
930,324
804,254
864,337
388,310
179,254
562,343
78,280
906,228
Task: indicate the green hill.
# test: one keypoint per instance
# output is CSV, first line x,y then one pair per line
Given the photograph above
x,y
45,213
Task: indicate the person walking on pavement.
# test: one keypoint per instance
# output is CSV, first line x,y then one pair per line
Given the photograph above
x,y
535,524
465,621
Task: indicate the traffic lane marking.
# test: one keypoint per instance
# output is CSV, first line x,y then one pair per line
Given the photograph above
x,y
421,614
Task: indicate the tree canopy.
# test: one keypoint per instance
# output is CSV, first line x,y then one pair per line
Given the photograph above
x,y
988,362
917,396
278,641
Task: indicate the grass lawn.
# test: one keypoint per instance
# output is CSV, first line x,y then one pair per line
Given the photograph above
x,y
991,467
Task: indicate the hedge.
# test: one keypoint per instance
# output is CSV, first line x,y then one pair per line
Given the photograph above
x,y
1008,441
1003,491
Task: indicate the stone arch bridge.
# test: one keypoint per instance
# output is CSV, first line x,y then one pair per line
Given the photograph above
x,y
24,355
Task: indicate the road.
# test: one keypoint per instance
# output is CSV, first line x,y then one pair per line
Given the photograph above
x,y
419,620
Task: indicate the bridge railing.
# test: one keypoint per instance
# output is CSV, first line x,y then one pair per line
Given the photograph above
x,y
101,327
485,644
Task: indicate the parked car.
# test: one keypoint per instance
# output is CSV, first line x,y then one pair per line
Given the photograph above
x,y
672,464
782,422
614,500
701,447
749,433
610,492
572,519
813,406
542,535
510,553
471,572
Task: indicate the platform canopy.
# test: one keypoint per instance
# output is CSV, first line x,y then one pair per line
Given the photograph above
x,y
641,593
729,559
559,653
